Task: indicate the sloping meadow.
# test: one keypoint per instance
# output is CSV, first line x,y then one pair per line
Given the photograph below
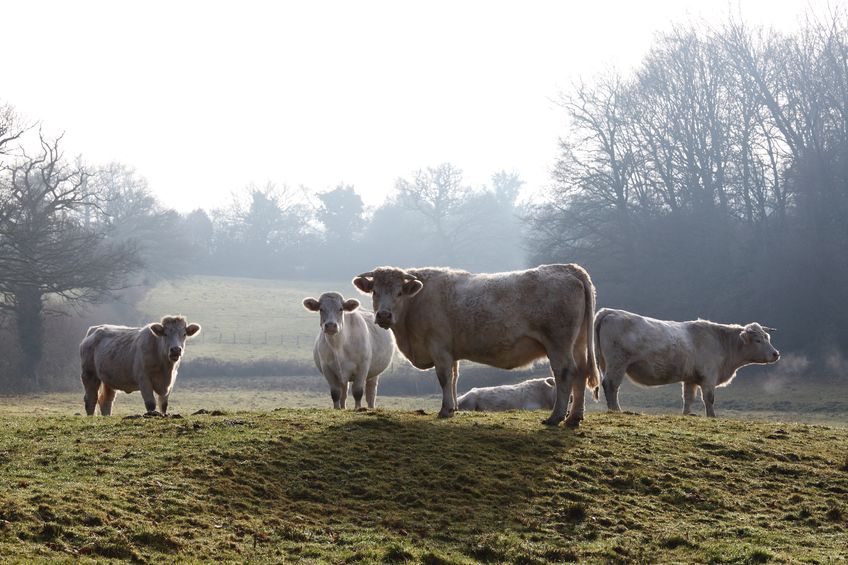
x,y
345,487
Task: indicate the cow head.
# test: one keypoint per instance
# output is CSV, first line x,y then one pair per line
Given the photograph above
x,y
756,344
390,289
332,307
173,331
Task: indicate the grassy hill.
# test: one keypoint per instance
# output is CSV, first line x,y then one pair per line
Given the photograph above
x,y
344,487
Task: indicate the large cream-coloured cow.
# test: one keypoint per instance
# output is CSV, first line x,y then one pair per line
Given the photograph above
x,y
128,359
505,320
656,352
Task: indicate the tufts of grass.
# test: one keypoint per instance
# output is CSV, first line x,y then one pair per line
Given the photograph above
x,y
319,485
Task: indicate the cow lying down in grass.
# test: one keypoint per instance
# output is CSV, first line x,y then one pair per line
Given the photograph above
x,y
122,358
533,394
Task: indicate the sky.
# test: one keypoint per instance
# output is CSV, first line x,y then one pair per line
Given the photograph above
x,y
205,98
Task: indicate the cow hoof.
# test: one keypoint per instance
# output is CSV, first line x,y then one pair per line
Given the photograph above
x,y
572,422
690,414
552,421
361,409
444,414
153,414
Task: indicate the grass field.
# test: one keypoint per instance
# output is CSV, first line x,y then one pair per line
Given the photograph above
x,y
244,319
322,486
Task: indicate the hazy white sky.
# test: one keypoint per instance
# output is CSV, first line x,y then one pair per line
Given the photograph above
x,y
204,98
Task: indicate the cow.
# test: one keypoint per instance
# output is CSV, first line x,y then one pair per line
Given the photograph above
x,y
533,394
349,348
506,320
698,353
131,358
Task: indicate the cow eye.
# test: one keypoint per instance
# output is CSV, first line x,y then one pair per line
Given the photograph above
x,y
400,293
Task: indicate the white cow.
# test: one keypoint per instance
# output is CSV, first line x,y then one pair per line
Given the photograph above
x,y
350,348
657,352
123,358
533,394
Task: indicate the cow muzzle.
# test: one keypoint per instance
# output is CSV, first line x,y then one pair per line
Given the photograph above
x,y
175,353
775,355
384,319
331,328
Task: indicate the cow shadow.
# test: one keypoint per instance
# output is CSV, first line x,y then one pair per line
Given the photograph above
x,y
416,476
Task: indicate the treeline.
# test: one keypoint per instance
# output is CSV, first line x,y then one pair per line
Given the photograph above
x,y
433,218
713,182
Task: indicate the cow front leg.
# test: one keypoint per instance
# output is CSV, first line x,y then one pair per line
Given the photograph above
x,y
564,370
371,392
708,394
148,397
454,381
688,397
163,403
358,390
445,376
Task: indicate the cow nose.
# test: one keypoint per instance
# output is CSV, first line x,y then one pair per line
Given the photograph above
x,y
382,317
775,355
331,327
176,351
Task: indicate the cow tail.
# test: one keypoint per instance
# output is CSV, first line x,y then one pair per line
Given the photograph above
x,y
593,379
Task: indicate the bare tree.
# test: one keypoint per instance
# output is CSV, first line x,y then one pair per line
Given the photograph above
x,y
47,254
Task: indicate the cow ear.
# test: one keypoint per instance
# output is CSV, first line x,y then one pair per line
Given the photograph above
x,y
550,381
364,284
350,305
311,304
157,329
192,329
413,287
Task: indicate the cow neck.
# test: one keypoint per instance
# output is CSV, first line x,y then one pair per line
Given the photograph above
x,y
402,333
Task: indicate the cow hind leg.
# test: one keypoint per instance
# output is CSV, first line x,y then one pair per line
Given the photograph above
x,y
688,397
611,382
454,381
106,399
564,370
343,397
91,384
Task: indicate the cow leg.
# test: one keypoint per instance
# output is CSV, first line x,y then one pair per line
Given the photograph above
x,y
708,395
147,395
444,372
578,400
613,377
343,397
92,385
163,403
564,369
358,391
371,391
454,381
688,397
105,400
336,395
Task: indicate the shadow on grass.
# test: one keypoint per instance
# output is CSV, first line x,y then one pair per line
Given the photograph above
x,y
418,478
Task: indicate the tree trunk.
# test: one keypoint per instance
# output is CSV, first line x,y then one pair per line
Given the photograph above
x,y
30,323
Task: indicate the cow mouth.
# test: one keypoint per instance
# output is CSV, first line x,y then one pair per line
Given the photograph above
x,y
331,332
174,356
385,324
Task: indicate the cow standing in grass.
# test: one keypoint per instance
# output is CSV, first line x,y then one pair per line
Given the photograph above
x,y
532,394
128,359
349,348
658,352
505,320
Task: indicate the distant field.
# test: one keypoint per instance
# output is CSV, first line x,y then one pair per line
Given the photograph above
x,y
244,319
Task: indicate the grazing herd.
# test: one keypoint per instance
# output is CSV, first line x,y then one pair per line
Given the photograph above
x,y
439,316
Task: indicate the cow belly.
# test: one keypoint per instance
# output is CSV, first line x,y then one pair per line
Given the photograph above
x,y
653,374
521,353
